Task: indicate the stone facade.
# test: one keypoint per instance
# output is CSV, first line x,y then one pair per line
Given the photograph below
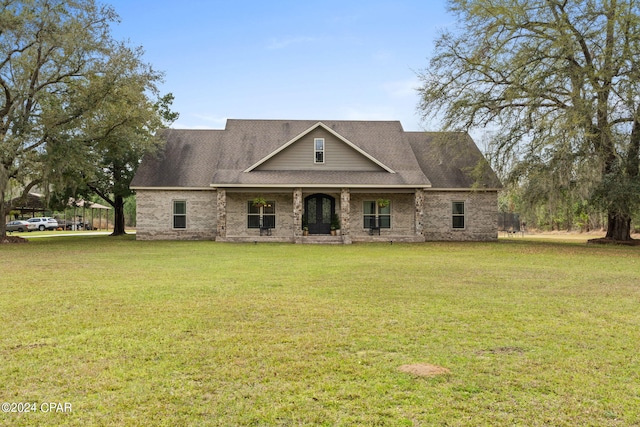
x,y
223,215
154,215
330,168
237,224
221,210
345,215
403,227
481,215
297,212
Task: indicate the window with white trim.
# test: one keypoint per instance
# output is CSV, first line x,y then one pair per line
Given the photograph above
x,y
457,214
261,216
318,147
376,216
179,214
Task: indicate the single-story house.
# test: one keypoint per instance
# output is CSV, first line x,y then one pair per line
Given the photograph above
x,y
295,180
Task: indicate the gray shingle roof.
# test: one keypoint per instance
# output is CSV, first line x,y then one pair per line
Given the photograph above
x,y
185,161
200,158
452,160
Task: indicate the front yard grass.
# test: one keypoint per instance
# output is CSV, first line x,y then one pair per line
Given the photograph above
x,y
534,333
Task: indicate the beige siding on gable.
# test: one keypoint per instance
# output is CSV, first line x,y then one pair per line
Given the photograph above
x,y
338,156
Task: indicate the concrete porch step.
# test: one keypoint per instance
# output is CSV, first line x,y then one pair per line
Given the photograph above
x,y
321,239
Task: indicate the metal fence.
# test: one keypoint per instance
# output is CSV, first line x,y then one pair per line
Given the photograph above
x,y
510,222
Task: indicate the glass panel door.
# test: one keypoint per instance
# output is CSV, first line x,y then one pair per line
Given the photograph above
x,y
318,210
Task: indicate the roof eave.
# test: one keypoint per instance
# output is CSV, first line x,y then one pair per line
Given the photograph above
x,y
318,184
171,188
466,189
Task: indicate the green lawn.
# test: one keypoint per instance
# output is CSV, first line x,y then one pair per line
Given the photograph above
x,y
127,333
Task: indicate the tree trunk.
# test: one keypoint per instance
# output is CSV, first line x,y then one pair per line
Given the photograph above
x,y
118,216
4,180
619,227
3,214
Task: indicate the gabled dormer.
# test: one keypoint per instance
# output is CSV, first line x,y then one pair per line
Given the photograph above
x,y
319,148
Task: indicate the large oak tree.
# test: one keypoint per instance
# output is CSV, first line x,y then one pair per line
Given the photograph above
x,y
75,106
124,131
49,50
113,136
559,80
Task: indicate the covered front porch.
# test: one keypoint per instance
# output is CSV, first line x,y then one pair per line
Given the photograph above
x,y
313,215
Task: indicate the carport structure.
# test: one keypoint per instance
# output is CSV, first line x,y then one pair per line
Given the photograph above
x,y
84,205
34,204
29,206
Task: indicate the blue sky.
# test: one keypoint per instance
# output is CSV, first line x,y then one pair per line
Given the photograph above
x,y
341,60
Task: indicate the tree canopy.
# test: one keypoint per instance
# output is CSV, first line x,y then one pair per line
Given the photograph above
x,y
559,80
75,104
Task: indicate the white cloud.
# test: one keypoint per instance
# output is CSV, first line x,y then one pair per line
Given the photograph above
x,y
402,88
275,43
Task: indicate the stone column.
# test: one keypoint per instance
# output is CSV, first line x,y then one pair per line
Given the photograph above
x,y
419,211
345,215
221,207
297,212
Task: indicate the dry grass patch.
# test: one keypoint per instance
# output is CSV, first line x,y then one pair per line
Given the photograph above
x,y
424,369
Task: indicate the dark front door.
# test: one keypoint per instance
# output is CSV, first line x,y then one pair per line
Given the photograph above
x,y
318,210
